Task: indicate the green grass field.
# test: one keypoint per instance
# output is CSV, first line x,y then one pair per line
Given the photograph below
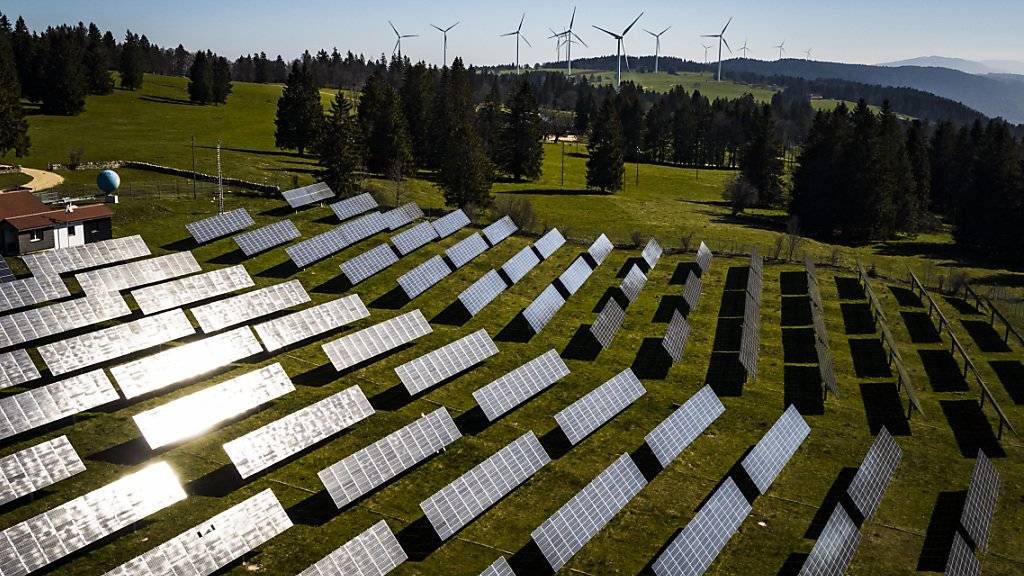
x,y
111,445
691,81
13,180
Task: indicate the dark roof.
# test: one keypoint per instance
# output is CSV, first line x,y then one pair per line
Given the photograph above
x,y
23,211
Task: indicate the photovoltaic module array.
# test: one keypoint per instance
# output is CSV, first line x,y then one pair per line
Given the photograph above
x,y
317,248
607,323
469,495
40,406
404,214
37,467
518,266
981,501
776,447
306,195
221,225
414,238
676,336
267,237
651,253
465,250
191,289
873,475
750,344
575,275
435,367
521,384
314,321
566,531
549,243
368,263
354,206
35,323
633,283
30,291
692,291
450,223
363,227
424,276
499,230
138,273
582,417
543,308
371,467
229,312
499,567
92,255
668,439
704,257
375,340
834,548
16,367
482,292
600,249
962,561
375,552
6,275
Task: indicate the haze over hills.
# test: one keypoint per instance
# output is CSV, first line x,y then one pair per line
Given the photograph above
x,y
963,65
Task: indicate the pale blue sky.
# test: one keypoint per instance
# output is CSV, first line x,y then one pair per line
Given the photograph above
x,y
867,31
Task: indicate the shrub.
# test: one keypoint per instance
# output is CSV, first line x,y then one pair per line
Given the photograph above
x,y
519,210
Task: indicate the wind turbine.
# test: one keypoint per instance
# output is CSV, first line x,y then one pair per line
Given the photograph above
x,y
568,39
707,47
620,49
782,49
744,49
444,31
657,45
808,52
721,40
518,33
398,43
558,45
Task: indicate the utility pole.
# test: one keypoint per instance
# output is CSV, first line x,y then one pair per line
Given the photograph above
x,y
563,163
638,168
193,166
220,183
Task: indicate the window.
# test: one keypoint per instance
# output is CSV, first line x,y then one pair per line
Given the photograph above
x,y
35,236
72,230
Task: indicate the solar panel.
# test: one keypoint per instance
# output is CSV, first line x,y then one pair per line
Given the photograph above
x,y
575,275
692,291
6,275
812,270
499,567
100,346
482,292
191,415
220,225
45,321
549,243
519,385
450,223
280,439
139,273
306,195
354,206
633,283
499,230
750,340
375,340
754,285
317,248
834,548
423,277
61,531
16,367
668,439
267,237
244,307
39,406
826,369
32,290
652,253
215,543
414,238
608,322
457,504
773,451
404,214
693,550
92,255
962,561
363,227
981,501
314,321
181,363
756,263
599,406
566,531
361,267
37,467
600,249
543,308
465,250
676,336
369,468
374,552
874,473
432,368
704,257
190,289
520,265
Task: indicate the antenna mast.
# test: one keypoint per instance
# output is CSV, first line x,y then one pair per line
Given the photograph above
x,y
220,183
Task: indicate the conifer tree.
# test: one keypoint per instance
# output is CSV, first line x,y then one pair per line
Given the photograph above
x,y
522,151
605,166
416,95
465,173
339,148
221,76
299,111
64,74
13,126
97,64
383,127
760,161
490,120
131,66
200,83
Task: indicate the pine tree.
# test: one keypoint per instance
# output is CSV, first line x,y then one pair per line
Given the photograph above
x,y
182,62
97,64
131,67
221,74
200,83
920,166
30,61
522,151
339,148
942,165
605,166
383,127
584,108
991,211
13,126
416,93
440,120
64,74
658,132
490,120
466,172
816,199
897,206
760,161
299,112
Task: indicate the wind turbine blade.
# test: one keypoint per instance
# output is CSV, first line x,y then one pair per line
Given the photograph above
x,y
525,40
711,36
608,32
663,31
724,41
411,36
573,18
393,28
512,33
726,25
521,20
454,25
438,28
635,20
395,49
649,32
580,39
624,53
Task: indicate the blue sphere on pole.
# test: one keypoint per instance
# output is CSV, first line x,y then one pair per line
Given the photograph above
x,y
108,181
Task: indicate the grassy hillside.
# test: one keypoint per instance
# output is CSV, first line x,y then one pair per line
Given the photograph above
x,y
691,81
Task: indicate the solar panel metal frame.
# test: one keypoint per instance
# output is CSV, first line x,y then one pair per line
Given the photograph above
x,y
40,406
873,475
756,263
424,276
566,531
313,321
414,238
6,275
316,248
584,416
191,289
674,434
633,283
499,567
59,317
432,368
676,337
373,466
519,265
775,449
543,308
374,552
101,346
369,263
704,257
30,291
235,310
306,195
220,225
607,323
961,561
575,275
516,387
450,223
600,249
693,550
549,243
982,494
834,548
693,290
138,273
826,369
353,206
461,501
91,255
277,441
16,368
36,467
465,250
375,340
267,237
652,253
499,230
402,215
482,292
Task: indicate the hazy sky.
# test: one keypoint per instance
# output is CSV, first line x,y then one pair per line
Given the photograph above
x,y
865,31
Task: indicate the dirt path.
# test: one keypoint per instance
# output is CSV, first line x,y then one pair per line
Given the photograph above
x,y
41,179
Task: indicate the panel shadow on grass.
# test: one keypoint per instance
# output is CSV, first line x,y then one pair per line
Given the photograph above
x,y
798,346
802,388
985,336
582,345
796,311
734,302
883,406
726,374
316,377
728,334
232,258
905,298
282,270
962,306
530,560
394,299
942,526
667,306
612,293
1011,375
517,330
682,272
336,285
836,496
454,315
971,428
849,288
944,374
652,361
217,483
315,510
921,328
736,278
869,358
419,539
793,283
793,564
129,453
186,243
857,318
628,265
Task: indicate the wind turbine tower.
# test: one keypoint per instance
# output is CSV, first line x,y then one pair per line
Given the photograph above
x,y
620,49
782,49
808,53
568,39
518,33
744,49
398,42
721,41
444,61
657,45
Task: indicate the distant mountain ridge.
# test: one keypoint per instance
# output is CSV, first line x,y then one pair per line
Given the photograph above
x,y
962,64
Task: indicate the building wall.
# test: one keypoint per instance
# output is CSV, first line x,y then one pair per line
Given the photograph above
x,y
96,230
26,245
70,235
